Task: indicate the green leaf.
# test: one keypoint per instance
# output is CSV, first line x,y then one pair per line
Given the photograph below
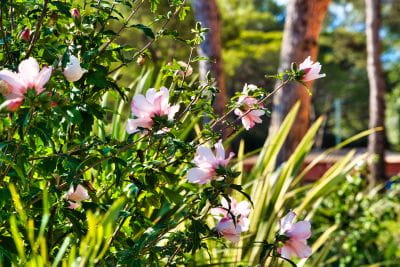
x,y
146,30
172,196
62,7
74,115
154,5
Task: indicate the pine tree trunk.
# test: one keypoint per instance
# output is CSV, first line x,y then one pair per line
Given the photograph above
x,y
301,33
206,12
376,142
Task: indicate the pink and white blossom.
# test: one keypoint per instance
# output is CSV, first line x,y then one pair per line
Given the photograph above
x,y
239,210
75,197
249,114
227,228
145,108
207,163
233,218
311,70
73,71
297,234
29,76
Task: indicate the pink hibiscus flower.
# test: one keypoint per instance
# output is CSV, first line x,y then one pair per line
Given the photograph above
x,y
297,234
311,70
239,210
145,108
207,163
29,76
247,113
75,197
226,225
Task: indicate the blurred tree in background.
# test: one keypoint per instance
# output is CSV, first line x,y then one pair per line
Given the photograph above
x,y
251,35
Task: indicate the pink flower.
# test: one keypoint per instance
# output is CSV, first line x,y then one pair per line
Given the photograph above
x,y
26,35
75,197
207,163
311,70
73,205
28,77
297,234
145,108
249,118
233,218
227,228
239,210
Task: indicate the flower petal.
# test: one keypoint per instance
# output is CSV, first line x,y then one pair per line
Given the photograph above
x,y
42,79
198,176
73,205
206,153
301,249
12,104
133,125
286,251
228,229
219,150
286,222
141,107
13,79
300,230
29,70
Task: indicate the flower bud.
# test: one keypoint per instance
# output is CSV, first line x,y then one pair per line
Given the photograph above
x,y
75,13
141,60
73,71
26,35
187,69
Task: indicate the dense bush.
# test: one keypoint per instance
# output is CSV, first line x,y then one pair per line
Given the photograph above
x,y
366,220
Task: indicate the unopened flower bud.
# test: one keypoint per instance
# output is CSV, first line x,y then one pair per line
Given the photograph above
x,y
187,69
26,35
141,60
75,13
73,71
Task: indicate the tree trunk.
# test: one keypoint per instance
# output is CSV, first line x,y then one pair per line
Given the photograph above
x,y
376,142
206,12
300,39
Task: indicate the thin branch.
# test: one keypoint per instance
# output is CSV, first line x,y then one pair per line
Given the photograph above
x,y
263,99
3,34
150,42
37,29
259,102
122,27
109,157
12,16
18,145
187,65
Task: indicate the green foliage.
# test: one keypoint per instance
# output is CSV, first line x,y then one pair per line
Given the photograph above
x,y
365,218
